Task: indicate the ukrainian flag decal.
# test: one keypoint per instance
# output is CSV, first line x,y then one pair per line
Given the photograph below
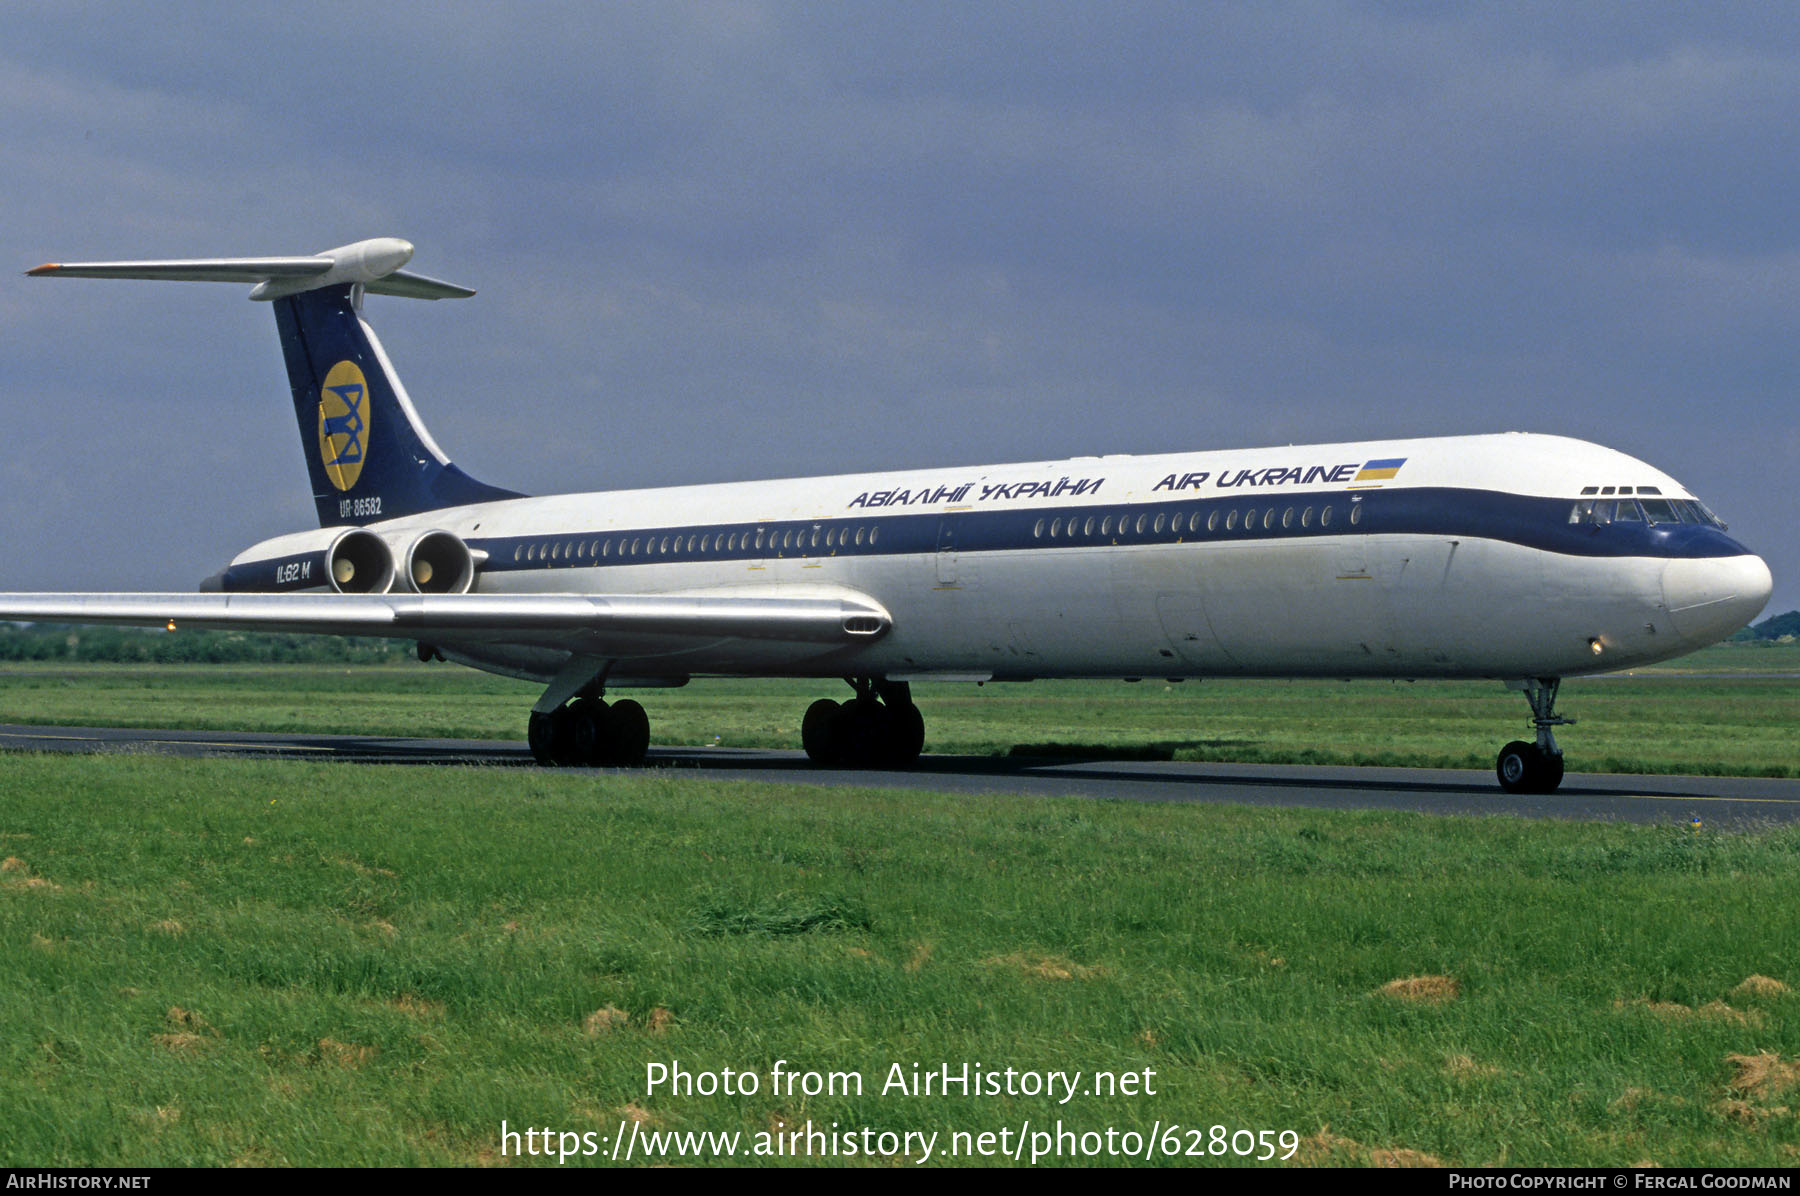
x,y
1379,471
344,424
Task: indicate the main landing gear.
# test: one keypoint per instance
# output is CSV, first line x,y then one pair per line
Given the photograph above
x,y
587,732
1535,767
878,728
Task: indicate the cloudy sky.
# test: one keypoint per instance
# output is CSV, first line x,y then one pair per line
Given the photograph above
x,y
720,241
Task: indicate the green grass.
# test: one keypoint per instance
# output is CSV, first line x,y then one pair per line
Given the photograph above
x,y
1728,710
213,962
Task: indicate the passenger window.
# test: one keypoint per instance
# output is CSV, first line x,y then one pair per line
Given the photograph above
x,y
1250,519
1231,521
1106,526
1212,522
1325,517
1142,522
1269,518
1158,525
1356,512
1306,517
1055,528
873,532
859,536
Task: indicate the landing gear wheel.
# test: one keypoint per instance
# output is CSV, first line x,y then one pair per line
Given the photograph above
x,y
538,736
571,737
628,735
905,735
879,728
1517,767
818,731
1525,768
589,725
1552,774
1535,767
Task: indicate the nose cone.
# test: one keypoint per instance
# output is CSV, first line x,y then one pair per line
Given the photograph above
x,y
1709,598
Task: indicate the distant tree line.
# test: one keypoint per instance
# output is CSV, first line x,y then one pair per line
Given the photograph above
x,y
1775,627
52,641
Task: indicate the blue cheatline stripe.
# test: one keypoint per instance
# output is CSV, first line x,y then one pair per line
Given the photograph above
x,y
1540,523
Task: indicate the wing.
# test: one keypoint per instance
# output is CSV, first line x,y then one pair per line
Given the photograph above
x,y
595,624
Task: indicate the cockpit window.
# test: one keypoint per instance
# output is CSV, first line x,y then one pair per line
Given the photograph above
x,y
1654,510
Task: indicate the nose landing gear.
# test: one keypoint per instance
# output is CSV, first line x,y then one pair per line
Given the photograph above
x,y
1535,767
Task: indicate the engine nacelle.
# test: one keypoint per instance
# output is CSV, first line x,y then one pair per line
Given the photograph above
x,y
438,562
358,562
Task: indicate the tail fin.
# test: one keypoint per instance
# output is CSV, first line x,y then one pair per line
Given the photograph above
x,y
367,452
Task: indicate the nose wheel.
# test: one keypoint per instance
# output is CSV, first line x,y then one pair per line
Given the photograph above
x,y
1535,767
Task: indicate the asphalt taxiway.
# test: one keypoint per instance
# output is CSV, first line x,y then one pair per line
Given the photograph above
x,y
1720,802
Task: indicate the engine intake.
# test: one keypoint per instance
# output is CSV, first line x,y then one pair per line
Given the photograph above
x,y
359,563
440,563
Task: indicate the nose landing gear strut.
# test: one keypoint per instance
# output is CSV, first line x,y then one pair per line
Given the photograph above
x,y
1535,767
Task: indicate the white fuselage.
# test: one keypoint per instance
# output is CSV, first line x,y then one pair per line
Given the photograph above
x,y
1245,563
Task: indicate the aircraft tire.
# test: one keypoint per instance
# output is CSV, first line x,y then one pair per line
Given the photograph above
x,y
1552,773
818,731
905,737
571,738
589,723
629,734
859,734
1516,767
538,737
1522,768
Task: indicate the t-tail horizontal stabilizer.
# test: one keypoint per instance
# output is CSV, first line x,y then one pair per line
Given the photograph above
x,y
375,264
368,454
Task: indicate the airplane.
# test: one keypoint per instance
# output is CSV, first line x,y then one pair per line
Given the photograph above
x,y
1518,557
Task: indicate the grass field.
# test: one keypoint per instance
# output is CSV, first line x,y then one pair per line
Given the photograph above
x,y
1726,710
217,962
246,962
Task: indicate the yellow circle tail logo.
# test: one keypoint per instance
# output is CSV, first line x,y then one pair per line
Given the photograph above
x,y
344,424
